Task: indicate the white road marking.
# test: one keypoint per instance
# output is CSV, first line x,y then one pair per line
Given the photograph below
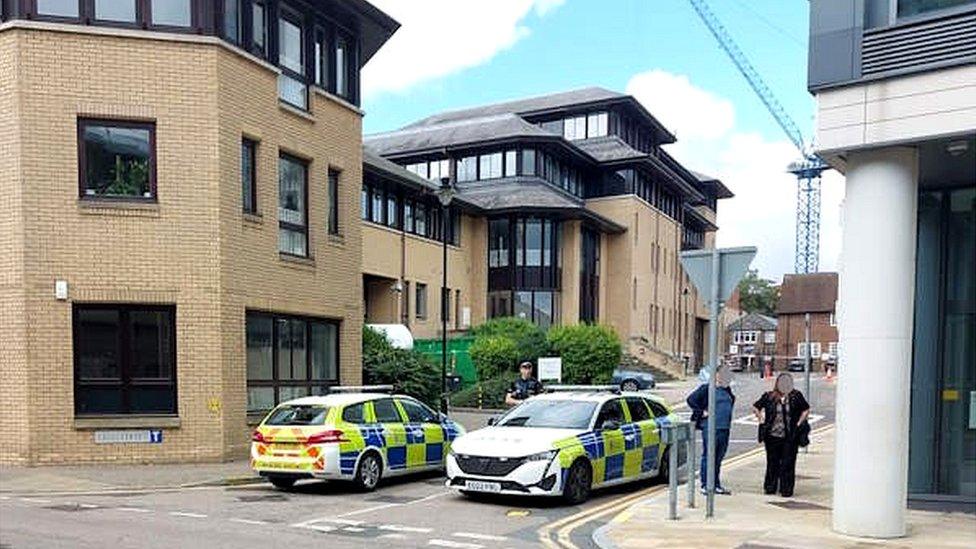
x,y
248,521
370,509
473,535
751,419
35,500
88,506
392,536
321,527
350,522
454,544
133,510
187,515
4,498
353,529
399,528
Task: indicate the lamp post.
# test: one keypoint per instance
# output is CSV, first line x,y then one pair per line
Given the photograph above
x,y
445,194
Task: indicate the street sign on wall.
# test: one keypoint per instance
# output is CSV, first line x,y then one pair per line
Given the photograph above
x,y
140,436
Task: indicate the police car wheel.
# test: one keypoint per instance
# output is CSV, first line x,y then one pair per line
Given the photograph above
x,y
629,385
282,482
663,469
579,480
369,472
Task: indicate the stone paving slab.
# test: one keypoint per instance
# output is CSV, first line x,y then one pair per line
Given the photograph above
x,y
751,520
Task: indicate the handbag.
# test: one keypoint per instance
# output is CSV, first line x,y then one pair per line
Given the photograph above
x,y
762,432
803,435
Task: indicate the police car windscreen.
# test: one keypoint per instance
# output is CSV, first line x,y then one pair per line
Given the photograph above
x,y
297,415
552,414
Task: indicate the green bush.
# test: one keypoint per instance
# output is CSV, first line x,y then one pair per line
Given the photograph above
x,y
410,372
502,343
590,352
493,355
488,394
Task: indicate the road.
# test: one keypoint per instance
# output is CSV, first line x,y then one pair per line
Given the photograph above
x,y
413,512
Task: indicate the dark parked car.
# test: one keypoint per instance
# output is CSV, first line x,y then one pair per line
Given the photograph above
x,y
797,365
633,380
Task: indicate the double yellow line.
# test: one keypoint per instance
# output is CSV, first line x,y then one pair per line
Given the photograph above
x,y
558,534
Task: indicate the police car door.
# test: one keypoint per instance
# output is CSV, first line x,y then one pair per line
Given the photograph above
x,y
660,417
425,438
608,425
394,434
641,439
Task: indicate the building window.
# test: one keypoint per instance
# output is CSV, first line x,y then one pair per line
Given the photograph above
x,y
291,58
58,8
333,223
289,357
392,210
420,219
122,11
292,206
376,205
342,66
249,195
528,161
467,169
596,125
908,8
439,169
746,337
170,13
832,349
538,307
491,166
801,349
769,337
420,301
259,28
321,59
117,159
574,128
232,21
511,163
125,359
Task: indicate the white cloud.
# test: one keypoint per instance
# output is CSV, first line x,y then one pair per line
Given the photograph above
x,y
441,37
763,212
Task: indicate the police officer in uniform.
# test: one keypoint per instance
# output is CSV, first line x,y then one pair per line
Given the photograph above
x,y
523,387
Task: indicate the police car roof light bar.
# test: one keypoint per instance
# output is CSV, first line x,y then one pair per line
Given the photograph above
x,y
362,389
592,388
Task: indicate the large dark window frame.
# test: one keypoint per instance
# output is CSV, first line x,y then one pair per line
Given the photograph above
x,y
293,226
83,161
416,213
334,181
515,273
143,16
125,382
249,181
276,382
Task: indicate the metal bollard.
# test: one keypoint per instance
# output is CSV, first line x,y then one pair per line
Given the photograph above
x,y
672,434
692,470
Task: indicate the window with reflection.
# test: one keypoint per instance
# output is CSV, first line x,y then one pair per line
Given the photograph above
x,y
170,13
490,166
259,27
467,168
233,21
342,66
120,11
292,206
58,8
908,8
523,262
117,159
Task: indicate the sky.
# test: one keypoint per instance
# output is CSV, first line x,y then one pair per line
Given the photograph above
x,y
451,54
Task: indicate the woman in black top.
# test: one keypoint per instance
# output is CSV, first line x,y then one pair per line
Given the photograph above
x,y
781,412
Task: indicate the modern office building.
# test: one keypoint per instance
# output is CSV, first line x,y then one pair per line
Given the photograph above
x,y
568,210
895,87
179,233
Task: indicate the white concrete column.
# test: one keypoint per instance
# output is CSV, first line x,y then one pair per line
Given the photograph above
x,y
876,302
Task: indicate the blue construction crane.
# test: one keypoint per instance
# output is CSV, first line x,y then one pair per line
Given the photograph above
x,y
807,170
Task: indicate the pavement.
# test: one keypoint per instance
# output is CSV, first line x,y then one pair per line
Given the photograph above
x,y
750,519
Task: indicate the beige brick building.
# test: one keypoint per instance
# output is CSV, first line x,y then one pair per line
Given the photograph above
x,y
179,241
569,211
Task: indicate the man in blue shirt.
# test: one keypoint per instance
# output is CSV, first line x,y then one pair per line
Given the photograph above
x,y
724,403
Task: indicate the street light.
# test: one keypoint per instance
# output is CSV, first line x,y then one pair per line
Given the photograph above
x,y
445,194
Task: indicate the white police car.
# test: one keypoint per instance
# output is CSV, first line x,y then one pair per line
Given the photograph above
x,y
564,443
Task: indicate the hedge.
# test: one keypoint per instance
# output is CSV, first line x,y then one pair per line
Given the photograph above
x,y
411,372
488,394
590,352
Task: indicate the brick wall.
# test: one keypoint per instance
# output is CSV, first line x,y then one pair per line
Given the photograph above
x,y
790,332
193,248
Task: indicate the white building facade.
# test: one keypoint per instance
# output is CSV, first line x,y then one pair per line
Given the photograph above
x,y
895,86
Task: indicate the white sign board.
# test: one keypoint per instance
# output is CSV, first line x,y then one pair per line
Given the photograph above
x,y
733,349
145,436
551,368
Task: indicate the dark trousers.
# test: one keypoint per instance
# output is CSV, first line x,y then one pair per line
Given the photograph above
x,y
721,446
780,466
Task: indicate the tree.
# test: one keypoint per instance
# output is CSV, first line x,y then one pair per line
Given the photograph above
x,y
758,295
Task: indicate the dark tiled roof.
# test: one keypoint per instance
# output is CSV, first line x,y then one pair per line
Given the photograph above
x,y
451,134
721,191
520,192
391,169
808,293
701,219
754,321
608,149
522,106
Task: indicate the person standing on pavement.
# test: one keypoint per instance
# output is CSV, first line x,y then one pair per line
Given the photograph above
x,y
724,403
523,387
782,414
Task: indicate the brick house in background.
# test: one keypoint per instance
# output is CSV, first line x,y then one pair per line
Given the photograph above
x,y
816,294
751,341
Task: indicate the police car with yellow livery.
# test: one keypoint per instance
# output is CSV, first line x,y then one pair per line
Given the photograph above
x,y
564,443
355,434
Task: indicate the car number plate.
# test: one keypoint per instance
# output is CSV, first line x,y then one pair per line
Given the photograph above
x,y
478,486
